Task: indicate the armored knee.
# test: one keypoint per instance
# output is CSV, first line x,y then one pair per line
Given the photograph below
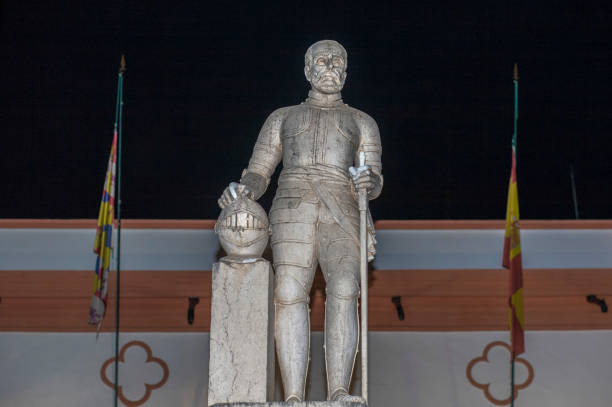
x,y
342,286
289,290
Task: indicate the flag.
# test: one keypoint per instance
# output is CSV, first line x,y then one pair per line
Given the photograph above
x,y
512,261
103,243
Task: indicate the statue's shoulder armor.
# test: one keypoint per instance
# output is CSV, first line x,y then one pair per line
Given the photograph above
x,y
279,114
274,122
283,112
365,122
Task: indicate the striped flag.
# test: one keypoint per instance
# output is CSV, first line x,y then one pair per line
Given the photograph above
x,y
512,261
103,244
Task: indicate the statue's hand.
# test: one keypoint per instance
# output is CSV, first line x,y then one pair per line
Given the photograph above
x,y
233,192
362,177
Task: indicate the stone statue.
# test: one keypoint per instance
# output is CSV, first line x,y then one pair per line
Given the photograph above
x,y
314,217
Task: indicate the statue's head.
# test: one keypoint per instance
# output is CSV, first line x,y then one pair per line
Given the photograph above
x,y
325,66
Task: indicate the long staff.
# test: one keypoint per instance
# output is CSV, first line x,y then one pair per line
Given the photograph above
x,y
363,252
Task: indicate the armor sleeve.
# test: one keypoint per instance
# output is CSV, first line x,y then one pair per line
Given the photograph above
x,y
266,155
369,143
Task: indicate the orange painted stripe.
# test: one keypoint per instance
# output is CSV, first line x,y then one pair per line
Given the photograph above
x,y
383,283
443,300
421,314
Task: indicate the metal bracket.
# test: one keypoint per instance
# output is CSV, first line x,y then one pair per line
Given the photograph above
x,y
397,300
592,298
193,301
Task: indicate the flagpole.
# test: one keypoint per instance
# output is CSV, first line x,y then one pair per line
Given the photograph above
x,y
118,123
514,142
574,196
515,80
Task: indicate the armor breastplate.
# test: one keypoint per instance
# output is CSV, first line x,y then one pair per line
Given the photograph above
x,y
311,135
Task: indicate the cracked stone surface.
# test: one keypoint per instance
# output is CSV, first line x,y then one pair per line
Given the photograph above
x,y
241,333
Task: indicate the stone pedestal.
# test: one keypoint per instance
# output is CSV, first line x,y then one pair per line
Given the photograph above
x,y
241,365
296,404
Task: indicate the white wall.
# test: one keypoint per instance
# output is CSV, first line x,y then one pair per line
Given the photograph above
x,y
181,249
415,369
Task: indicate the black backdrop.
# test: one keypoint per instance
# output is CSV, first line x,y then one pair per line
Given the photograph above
x,y
201,79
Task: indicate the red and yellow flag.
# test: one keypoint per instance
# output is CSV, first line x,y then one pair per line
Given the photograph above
x,y
512,260
103,244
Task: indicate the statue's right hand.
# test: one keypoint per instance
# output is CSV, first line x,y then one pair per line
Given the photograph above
x,y
233,192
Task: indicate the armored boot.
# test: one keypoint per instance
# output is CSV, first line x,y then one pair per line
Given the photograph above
x,y
293,347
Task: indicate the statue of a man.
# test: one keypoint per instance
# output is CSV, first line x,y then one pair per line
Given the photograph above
x,y
315,217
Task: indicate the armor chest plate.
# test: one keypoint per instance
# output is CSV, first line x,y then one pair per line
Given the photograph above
x,y
311,135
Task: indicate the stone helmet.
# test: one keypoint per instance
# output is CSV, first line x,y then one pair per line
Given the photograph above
x,y
243,228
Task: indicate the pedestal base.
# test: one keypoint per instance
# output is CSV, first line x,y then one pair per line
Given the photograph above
x,y
294,404
241,332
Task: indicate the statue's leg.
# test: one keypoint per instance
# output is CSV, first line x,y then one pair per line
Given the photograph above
x,y
339,260
293,252
292,325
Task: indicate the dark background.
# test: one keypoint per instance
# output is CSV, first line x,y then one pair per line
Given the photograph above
x,y
202,78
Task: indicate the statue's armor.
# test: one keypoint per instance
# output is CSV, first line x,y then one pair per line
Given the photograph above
x,y
312,136
315,220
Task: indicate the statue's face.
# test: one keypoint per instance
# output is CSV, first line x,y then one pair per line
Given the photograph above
x,y
326,70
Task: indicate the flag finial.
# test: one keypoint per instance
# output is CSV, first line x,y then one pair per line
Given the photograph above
x,y
122,65
515,73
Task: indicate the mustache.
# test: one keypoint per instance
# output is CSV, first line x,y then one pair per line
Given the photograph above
x,y
328,75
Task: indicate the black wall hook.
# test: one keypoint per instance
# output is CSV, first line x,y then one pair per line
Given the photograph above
x,y
193,301
599,301
397,300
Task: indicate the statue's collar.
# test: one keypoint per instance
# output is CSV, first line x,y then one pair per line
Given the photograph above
x,y
319,99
